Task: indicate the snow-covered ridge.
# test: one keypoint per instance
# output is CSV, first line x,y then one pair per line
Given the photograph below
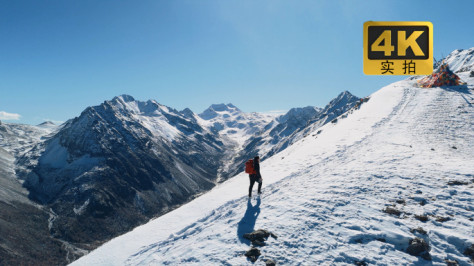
x,y
461,60
324,195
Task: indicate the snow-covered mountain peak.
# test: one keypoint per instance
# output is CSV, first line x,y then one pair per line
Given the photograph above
x,y
342,98
128,104
232,123
47,124
222,109
461,60
124,98
296,113
188,113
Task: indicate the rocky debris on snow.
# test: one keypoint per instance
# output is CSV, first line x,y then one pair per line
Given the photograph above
x,y
422,201
457,183
418,230
471,74
451,262
360,263
270,262
392,211
253,254
258,243
419,247
442,219
400,201
454,147
423,217
259,236
470,252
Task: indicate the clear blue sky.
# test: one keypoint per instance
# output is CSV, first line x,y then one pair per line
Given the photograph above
x,y
58,57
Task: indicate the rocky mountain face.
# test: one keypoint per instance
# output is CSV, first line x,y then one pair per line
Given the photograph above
x,y
116,166
23,224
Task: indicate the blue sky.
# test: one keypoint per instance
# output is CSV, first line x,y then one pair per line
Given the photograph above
x,y
58,57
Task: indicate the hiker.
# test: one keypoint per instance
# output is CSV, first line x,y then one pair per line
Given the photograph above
x,y
254,175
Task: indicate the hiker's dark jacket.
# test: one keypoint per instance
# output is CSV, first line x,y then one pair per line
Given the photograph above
x,y
256,167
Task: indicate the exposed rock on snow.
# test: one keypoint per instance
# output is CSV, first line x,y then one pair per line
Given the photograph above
x,y
457,183
259,237
422,217
451,262
270,262
419,230
392,211
253,254
470,252
419,247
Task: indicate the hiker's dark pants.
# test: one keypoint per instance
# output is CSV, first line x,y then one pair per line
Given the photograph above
x,y
253,179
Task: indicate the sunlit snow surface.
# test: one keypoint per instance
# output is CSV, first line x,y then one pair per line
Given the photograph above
x,y
324,195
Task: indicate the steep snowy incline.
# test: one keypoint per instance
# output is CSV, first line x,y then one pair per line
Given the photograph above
x,y
323,196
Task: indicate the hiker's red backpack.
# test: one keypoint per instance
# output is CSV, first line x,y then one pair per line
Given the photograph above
x,y
249,167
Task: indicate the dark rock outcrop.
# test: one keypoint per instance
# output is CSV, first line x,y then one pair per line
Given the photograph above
x,y
270,262
419,230
470,252
423,218
259,236
419,247
392,211
253,254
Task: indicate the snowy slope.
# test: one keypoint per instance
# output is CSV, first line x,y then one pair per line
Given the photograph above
x,y
324,195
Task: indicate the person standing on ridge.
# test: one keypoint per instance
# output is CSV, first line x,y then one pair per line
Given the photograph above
x,y
255,176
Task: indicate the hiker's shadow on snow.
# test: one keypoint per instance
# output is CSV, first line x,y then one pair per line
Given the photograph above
x,y
247,223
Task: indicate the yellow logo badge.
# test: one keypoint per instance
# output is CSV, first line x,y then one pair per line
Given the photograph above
x,y
398,48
